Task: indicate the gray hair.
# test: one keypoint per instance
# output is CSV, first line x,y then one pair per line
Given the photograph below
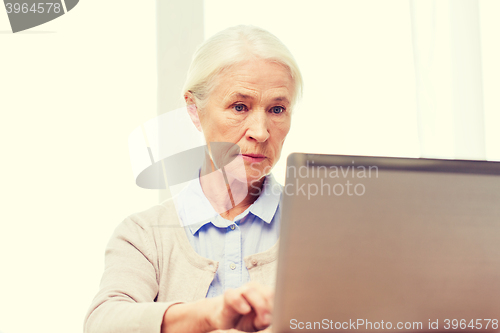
x,y
232,46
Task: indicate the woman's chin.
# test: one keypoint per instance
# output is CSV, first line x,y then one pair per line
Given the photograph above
x,y
257,171
239,175
247,172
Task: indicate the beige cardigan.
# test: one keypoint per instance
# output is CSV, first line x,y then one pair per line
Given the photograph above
x,y
149,266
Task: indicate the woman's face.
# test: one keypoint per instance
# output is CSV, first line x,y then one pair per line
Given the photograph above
x,y
250,107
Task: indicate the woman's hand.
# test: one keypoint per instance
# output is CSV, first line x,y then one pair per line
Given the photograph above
x,y
267,330
248,309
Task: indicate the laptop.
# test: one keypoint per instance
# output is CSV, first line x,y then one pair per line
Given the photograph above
x,y
377,244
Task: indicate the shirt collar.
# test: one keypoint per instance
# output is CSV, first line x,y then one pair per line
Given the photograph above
x,y
266,204
197,210
195,207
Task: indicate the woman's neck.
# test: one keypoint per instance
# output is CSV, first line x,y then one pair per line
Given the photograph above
x,y
228,195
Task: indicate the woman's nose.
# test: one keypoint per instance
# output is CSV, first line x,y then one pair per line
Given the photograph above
x,y
257,126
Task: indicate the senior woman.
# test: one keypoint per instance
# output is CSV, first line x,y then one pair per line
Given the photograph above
x,y
216,273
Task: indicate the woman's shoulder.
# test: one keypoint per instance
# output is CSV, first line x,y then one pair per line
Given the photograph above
x,y
159,214
158,220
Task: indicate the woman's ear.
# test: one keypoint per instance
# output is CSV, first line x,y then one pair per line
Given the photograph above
x,y
192,110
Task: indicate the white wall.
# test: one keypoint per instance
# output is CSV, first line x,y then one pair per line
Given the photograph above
x,y
71,91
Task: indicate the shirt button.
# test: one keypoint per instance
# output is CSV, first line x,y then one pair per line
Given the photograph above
x,y
232,226
254,262
232,266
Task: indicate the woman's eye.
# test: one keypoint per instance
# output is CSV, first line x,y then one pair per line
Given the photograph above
x,y
277,109
239,107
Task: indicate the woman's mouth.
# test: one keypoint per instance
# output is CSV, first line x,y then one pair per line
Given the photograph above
x,y
253,158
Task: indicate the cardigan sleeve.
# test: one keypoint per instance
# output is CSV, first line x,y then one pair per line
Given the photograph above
x,y
126,298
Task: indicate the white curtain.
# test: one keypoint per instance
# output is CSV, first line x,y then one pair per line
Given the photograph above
x,y
448,72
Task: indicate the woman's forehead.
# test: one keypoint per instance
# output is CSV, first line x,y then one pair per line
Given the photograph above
x,y
253,79
281,96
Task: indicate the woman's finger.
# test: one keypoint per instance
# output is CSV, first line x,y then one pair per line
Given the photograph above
x,y
236,301
266,292
267,330
259,300
247,308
